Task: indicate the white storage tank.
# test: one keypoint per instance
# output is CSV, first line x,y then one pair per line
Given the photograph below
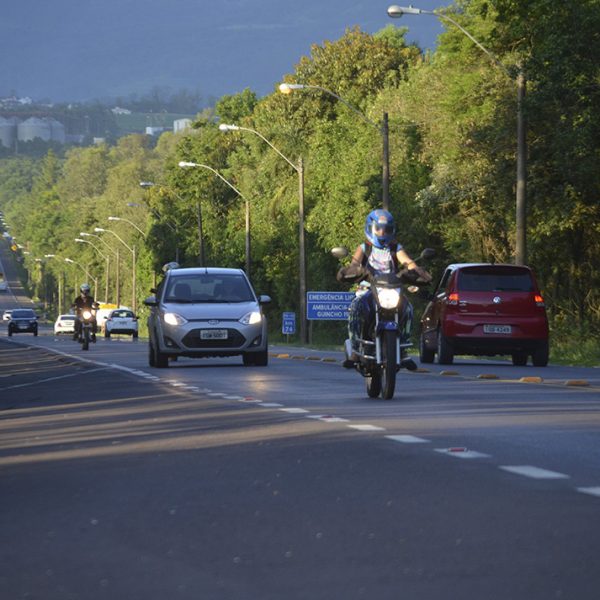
x,y
57,131
8,131
33,128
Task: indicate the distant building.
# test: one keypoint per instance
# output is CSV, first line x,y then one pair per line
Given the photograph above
x,y
181,125
155,130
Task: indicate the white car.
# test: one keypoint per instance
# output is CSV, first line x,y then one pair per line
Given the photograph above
x,y
121,320
6,315
64,324
3,286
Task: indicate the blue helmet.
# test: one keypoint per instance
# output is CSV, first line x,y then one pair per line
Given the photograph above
x,y
380,228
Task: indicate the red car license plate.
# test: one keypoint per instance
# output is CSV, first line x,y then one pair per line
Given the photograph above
x,y
503,329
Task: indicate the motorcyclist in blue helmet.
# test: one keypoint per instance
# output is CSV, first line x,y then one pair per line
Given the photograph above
x,y
382,253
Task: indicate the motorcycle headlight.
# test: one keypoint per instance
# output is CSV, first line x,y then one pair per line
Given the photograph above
x,y
174,319
388,297
87,314
251,318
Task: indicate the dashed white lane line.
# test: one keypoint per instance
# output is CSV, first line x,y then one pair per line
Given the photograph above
x,y
533,472
294,410
462,453
407,439
592,491
366,427
270,404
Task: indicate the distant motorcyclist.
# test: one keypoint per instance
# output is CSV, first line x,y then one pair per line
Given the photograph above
x,y
380,253
84,301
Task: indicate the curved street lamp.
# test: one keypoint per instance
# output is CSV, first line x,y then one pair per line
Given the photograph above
x,y
132,250
383,128
128,221
150,184
299,168
185,164
396,12
106,258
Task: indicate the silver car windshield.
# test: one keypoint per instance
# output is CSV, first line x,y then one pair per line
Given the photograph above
x,y
201,288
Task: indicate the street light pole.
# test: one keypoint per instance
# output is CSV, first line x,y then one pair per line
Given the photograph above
x,y
106,258
132,250
185,164
299,168
395,11
383,128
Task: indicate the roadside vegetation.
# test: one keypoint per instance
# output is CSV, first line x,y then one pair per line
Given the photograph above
x,y
452,122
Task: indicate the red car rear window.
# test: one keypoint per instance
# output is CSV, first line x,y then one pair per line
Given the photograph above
x,y
495,279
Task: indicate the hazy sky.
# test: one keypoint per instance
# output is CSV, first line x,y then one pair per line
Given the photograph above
x,y
85,49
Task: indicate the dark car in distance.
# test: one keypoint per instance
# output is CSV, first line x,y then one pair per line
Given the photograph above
x,y
485,309
23,320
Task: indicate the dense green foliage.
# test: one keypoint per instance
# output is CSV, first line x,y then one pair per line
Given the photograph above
x,y
452,118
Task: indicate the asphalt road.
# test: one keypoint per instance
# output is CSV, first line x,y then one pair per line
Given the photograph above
x,y
214,480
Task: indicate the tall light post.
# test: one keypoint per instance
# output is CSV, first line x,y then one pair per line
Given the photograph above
x,y
106,258
133,269
299,168
383,128
395,11
128,221
88,275
114,252
185,164
151,184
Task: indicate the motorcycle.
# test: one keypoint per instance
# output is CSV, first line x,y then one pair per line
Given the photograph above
x,y
381,322
87,320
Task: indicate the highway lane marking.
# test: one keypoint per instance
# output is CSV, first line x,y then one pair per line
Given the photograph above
x,y
592,491
79,373
270,404
462,453
294,410
407,439
533,472
366,427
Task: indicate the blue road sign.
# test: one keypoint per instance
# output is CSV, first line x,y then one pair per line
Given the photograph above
x,y
288,323
328,306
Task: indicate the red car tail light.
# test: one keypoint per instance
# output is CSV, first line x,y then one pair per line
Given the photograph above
x,y
539,301
453,299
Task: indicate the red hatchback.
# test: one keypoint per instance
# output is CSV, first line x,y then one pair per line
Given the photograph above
x,y
485,309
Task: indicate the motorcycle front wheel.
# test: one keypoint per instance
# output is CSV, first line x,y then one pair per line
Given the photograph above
x,y
85,345
388,370
374,383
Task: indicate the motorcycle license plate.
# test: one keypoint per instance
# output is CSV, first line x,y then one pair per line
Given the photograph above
x,y
502,329
213,334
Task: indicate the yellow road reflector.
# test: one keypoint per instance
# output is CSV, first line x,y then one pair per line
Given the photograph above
x,y
448,372
531,380
577,382
329,360
487,376
283,356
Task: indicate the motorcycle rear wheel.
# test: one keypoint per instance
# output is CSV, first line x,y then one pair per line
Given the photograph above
x,y
388,371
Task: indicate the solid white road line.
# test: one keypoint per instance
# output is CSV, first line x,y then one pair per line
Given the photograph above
x,y
81,373
533,472
294,410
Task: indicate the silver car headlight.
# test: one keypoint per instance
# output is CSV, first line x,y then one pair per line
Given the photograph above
x,y
171,318
388,297
251,318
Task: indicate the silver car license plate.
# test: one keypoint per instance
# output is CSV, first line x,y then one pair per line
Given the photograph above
x,y
213,334
503,329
